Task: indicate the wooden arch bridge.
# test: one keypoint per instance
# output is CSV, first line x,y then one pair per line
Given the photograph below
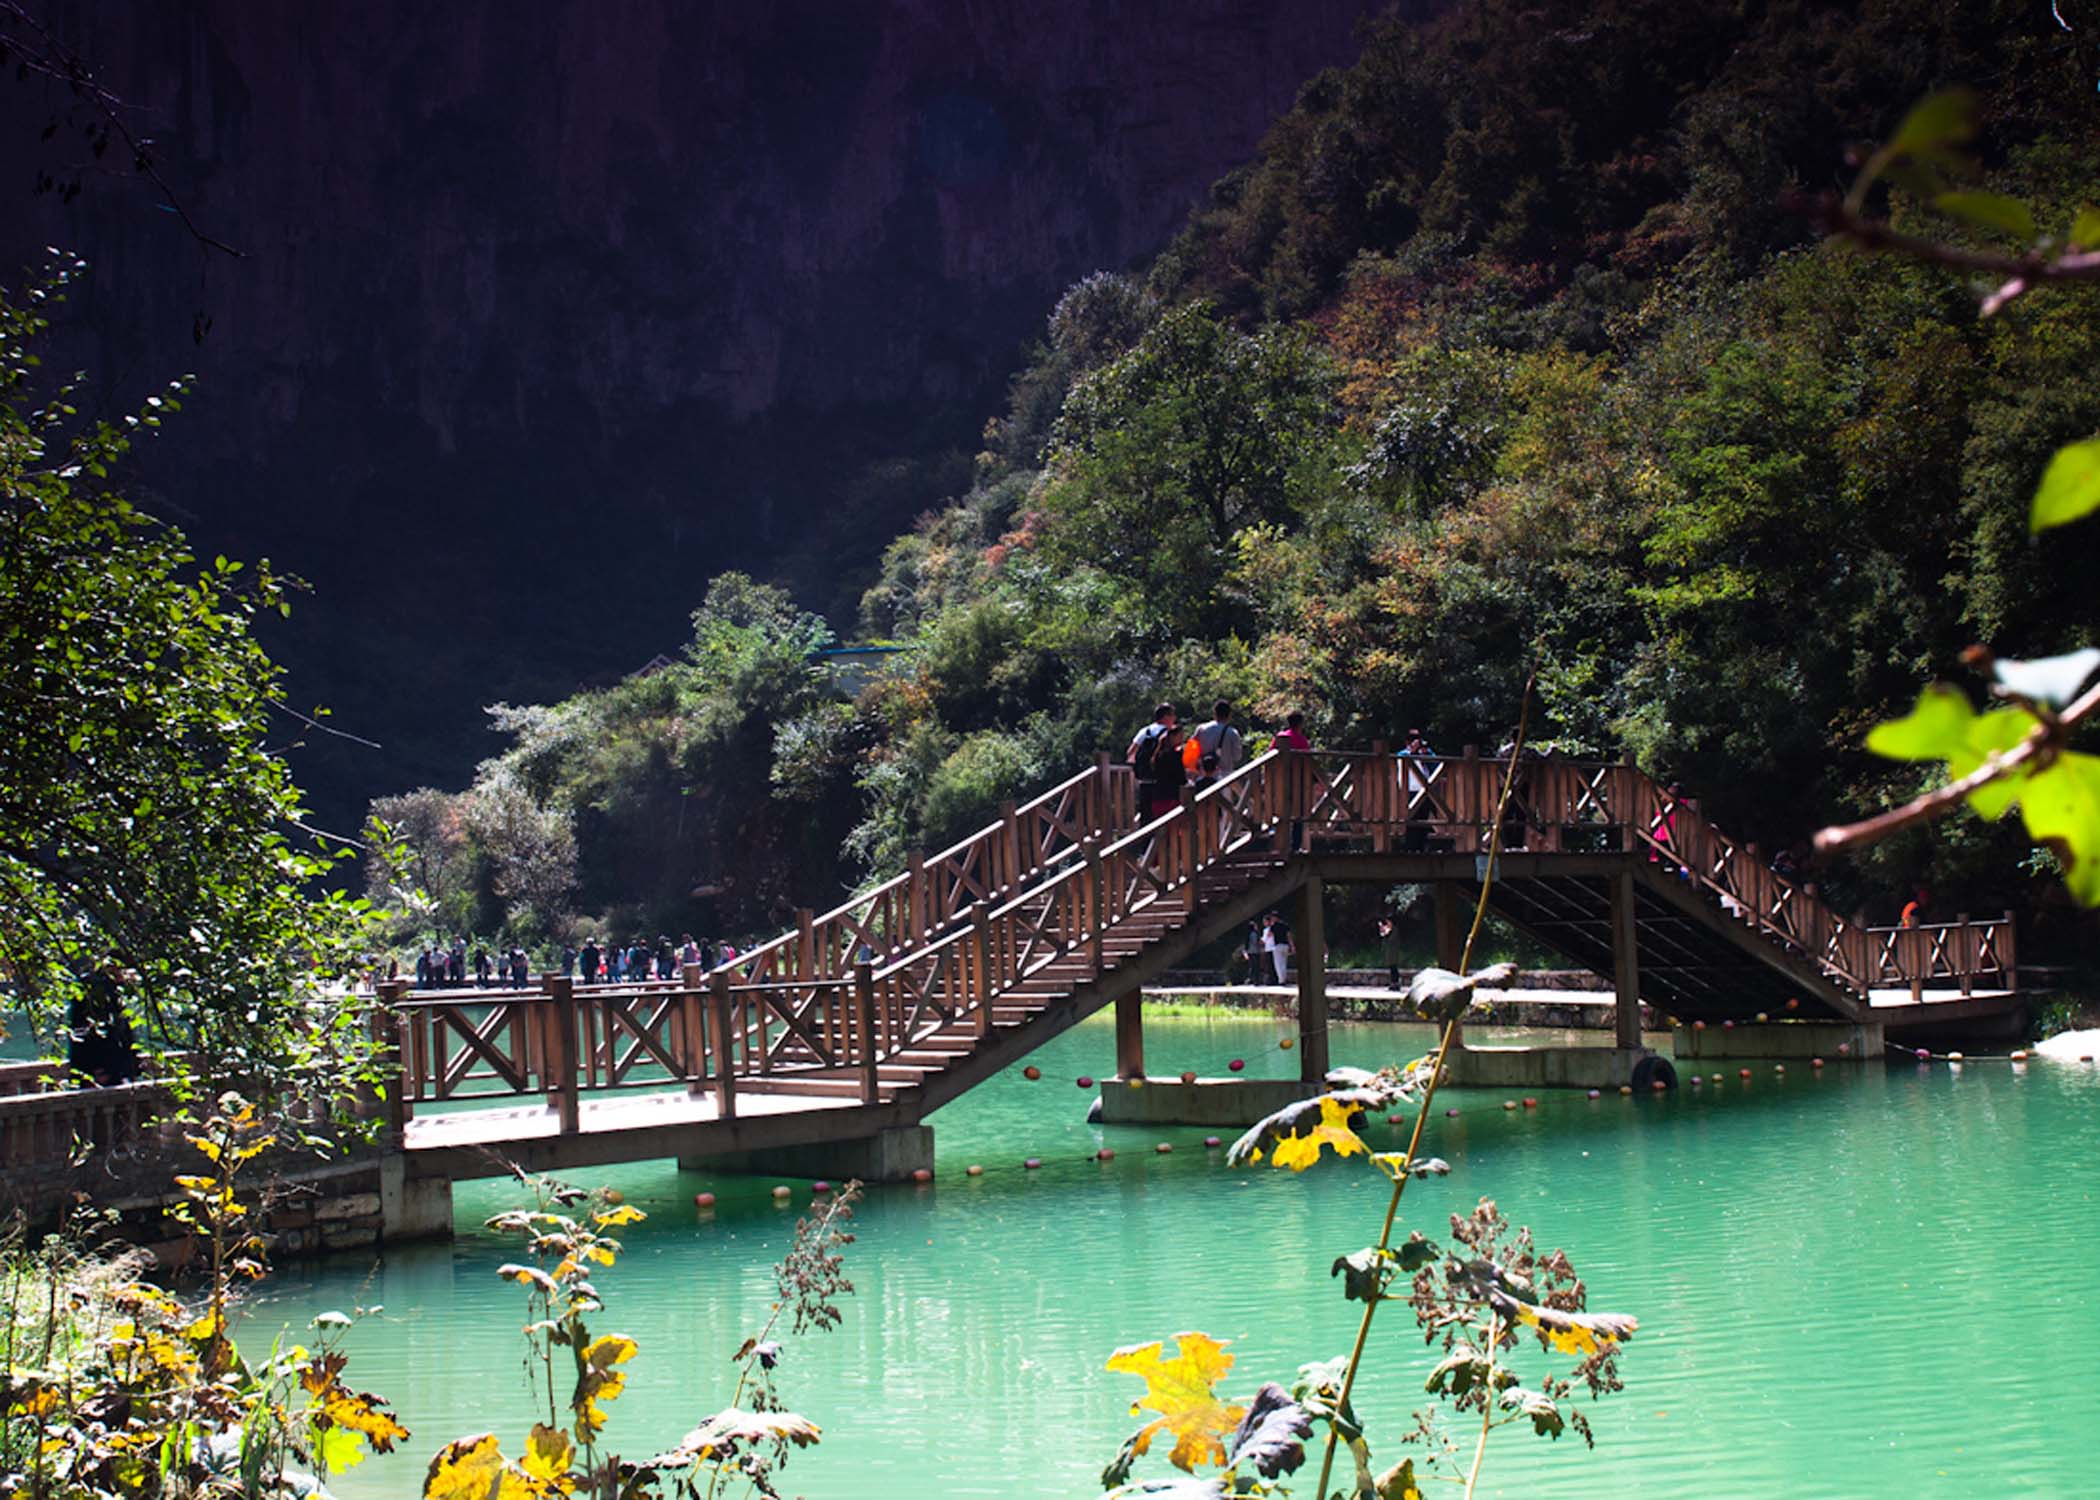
x,y
824,1049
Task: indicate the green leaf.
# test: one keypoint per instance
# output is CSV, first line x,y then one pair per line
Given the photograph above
x,y
1459,1372
1545,1416
339,1448
2054,680
2085,229
1991,211
2070,487
1998,730
1940,120
1937,729
2061,806
1364,1274
1271,1436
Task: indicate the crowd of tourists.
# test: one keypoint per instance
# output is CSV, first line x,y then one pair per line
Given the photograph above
x,y
464,965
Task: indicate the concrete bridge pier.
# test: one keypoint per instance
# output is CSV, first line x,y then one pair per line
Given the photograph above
x,y
890,1155
412,1208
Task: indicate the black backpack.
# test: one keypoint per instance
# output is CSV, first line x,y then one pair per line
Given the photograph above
x,y
1147,752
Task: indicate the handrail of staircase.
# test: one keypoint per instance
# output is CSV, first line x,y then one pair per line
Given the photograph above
x,y
854,918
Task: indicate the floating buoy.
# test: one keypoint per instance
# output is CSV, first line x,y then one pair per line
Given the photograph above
x,y
703,1200
782,1194
1189,1076
1395,1119
973,1170
1031,1164
1954,1057
1031,1072
1509,1104
1717,1078
1085,1082
1106,1153
1452,1113
820,1187
1844,1049
1658,1085
2019,1057
1762,1018
922,1174
1793,1003
615,1197
1815,1062
1137,1083
1596,1093
1530,1103
1695,1080
1779,1067
1744,1073
1923,1055
1164,1147
1698,1026
2085,1059
1625,1089
1211,1143
1237,1063
1285,1044
1728,1025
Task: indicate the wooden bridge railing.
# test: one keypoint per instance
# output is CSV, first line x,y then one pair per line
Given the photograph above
x,y
1056,882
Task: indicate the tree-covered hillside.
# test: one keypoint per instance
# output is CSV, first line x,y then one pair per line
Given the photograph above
x,y
1506,353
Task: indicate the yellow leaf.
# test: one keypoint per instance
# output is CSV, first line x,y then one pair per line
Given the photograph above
x,y
1182,1391
547,1453
613,1218
531,1276
1583,1334
1301,1151
466,1469
608,1350
210,1148
363,1415
1398,1482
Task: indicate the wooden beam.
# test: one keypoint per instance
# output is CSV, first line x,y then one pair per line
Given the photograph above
x,y
1130,1035
1626,960
1311,929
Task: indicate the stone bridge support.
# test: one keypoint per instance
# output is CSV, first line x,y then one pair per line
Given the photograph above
x,y
887,1156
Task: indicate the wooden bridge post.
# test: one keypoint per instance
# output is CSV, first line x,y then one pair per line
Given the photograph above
x,y
915,916
386,1034
2008,957
1450,916
1009,846
1311,937
1380,777
692,1051
1102,801
561,1051
1965,957
1184,840
1096,907
1473,802
724,1045
1130,1035
981,948
864,1028
1625,960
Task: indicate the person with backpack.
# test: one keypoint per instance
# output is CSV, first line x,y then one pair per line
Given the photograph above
x,y
1153,755
1218,749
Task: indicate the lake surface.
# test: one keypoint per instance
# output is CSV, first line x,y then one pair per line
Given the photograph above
x,y
1868,1281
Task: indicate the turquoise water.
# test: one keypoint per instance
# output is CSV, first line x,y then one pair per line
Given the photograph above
x,y
1865,1282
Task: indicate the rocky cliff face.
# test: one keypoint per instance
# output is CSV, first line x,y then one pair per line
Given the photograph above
x,y
548,312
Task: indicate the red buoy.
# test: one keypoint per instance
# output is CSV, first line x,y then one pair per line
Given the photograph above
x,y
1211,1142
922,1175
1031,1164
1237,1064
1106,1153
1596,1093
820,1187
703,1200
1793,1003
1530,1103
1085,1082
1744,1073
1189,1076
1031,1072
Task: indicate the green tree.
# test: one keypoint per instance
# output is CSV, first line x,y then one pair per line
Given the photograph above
x,y
1164,456
154,855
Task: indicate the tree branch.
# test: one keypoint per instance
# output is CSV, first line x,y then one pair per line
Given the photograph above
x,y
2015,273
2042,743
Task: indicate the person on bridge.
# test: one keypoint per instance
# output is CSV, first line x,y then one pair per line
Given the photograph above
x,y
1216,739
1147,758
1293,737
587,961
